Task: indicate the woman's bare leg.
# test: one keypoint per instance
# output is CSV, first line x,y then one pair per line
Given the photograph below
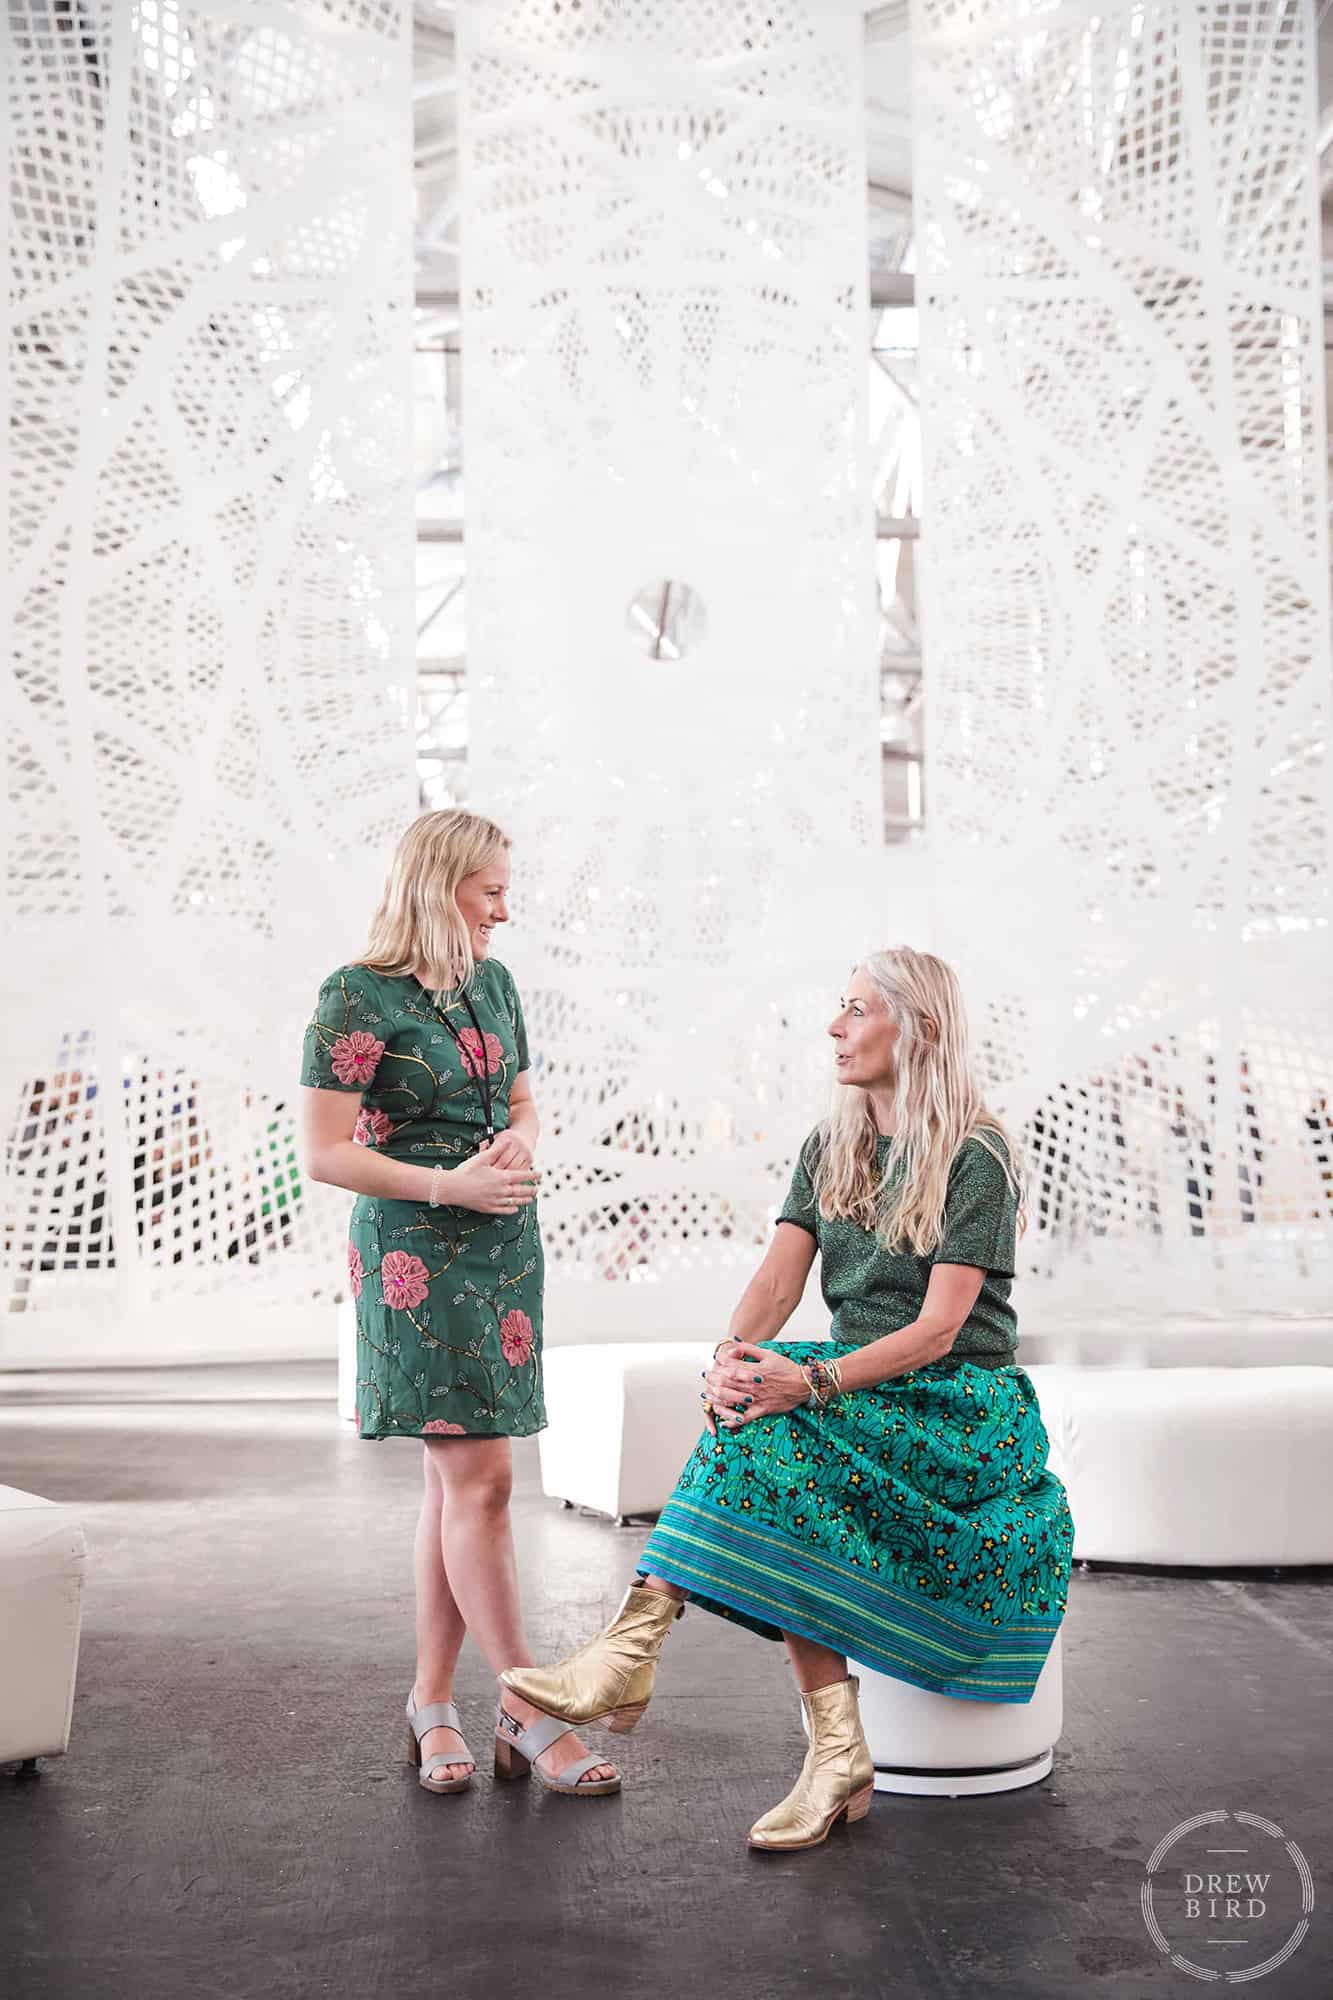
x,y
660,1583
478,1545
814,1666
440,1625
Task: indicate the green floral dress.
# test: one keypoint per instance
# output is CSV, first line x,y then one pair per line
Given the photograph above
x,y
915,1525
448,1301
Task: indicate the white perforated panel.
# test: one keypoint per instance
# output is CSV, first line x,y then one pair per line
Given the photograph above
x,y
208,724
1126,617
664,317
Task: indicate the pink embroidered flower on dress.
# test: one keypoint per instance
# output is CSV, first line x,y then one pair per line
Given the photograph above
x,y
438,1426
356,1270
372,1127
516,1337
404,1279
358,1419
356,1057
471,1050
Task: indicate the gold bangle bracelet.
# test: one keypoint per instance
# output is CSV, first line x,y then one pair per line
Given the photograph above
x,y
818,1394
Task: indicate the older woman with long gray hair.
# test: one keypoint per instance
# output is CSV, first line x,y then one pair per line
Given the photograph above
x,y
884,1494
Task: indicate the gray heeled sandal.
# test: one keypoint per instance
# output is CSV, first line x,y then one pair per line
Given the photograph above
x,y
436,1715
517,1749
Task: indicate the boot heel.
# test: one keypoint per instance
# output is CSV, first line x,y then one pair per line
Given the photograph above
x,y
859,1804
622,1720
509,1761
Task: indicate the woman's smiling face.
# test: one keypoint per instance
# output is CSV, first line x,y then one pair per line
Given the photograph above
x,y
863,1036
482,900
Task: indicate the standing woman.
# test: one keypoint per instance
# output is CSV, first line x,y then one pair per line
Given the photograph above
x,y
418,1099
884,1494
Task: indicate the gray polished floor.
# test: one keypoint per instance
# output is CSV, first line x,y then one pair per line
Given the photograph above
x,y
234,1817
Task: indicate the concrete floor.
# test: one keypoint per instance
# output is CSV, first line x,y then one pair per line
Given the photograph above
x,y
234,1817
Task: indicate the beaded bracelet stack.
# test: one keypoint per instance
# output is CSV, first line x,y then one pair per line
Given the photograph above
x,y
822,1378
825,1379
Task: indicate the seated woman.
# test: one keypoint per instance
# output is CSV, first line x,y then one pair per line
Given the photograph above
x,y
884,1494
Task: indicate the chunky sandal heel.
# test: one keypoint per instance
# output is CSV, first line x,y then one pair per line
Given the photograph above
x,y
517,1748
420,1721
510,1761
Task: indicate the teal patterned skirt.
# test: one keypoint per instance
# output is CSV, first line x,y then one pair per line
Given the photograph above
x,y
913,1526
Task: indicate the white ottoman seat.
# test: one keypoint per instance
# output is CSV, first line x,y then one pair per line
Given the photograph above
x,y
934,1745
1201,1467
42,1556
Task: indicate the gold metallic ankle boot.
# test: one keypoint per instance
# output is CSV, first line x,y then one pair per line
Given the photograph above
x,y
837,1778
610,1678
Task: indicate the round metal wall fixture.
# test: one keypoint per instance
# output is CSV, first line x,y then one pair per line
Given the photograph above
x,y
667,619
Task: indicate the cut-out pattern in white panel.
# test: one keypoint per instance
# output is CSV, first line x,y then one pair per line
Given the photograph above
x,y
208,718
1127,632
664,314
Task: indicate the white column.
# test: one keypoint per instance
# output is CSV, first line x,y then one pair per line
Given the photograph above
x,y
208,718
1126,621
665,321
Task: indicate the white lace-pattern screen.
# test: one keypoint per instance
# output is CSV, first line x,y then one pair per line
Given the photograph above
x,y
208,723
664,316
1126,626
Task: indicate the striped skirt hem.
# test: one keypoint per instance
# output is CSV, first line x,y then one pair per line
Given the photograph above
x,y
766,1581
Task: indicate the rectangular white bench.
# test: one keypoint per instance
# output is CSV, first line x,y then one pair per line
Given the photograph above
x,y
623,1416
42,1557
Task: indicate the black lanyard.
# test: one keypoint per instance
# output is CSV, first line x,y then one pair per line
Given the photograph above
x,y
480,1074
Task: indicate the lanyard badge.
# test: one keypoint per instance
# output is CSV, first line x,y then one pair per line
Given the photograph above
x,y
480,1074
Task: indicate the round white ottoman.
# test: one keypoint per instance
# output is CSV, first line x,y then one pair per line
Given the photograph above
x,y
936,1746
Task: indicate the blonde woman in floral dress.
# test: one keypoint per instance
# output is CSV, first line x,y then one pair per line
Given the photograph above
x,y
418,1099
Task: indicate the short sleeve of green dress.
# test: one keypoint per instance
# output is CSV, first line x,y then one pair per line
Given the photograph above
x,y
980,1213
448,1301
342,1046
514,1009
799,1207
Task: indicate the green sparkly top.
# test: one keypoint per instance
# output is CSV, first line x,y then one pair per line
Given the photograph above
x,y
871,1291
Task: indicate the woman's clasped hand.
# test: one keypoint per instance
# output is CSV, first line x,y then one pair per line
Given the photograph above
x,y
490,1189
746,1382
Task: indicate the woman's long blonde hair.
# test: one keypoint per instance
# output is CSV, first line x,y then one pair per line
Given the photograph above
x,y
418,924
937,1105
